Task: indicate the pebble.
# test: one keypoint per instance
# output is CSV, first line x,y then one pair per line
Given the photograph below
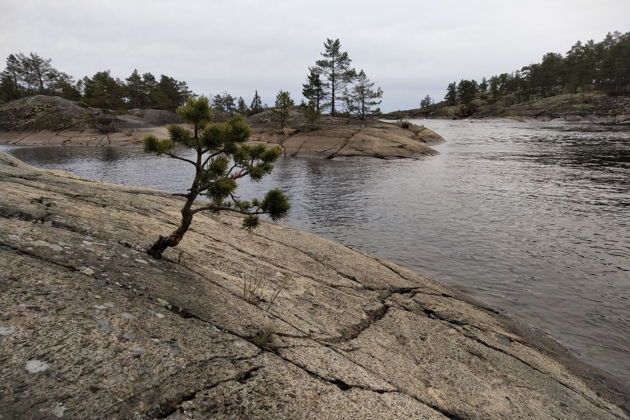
x,y
127,315
104,324
59,410
7,330
128,336
137,351
36,366
87,271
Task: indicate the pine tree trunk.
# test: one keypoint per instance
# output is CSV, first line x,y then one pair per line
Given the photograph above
x,y
158,248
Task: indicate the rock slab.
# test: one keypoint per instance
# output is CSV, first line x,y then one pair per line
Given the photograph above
x,y
271,324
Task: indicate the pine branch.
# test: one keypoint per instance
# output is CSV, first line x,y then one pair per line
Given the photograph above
x,y
174,156
225,208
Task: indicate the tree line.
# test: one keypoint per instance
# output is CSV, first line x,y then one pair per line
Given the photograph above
x,y
589,66
335,86
27,75
332,85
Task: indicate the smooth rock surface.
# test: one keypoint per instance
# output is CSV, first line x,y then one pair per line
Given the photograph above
x,y
200,335
359,139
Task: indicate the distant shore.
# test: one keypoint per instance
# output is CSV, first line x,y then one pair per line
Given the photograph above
x,y
584,107
54,121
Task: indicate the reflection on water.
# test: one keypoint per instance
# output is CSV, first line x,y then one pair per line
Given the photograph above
x,y
531,218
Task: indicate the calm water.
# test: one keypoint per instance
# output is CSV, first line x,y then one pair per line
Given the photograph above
x,y
531,218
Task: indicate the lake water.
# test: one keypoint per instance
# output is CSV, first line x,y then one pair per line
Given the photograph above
x,y
530,218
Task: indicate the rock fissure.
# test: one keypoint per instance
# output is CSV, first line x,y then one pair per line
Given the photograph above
x,y
169,407
344,144
353,331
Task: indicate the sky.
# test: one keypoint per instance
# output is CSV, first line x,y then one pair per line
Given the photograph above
x,y
408,48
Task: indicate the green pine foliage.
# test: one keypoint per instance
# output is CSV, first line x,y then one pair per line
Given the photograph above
x,y
256,106
451,94
589,66
335,68
312,116
284,105
27,75
241,107
361,98
221,158
224,102
314,89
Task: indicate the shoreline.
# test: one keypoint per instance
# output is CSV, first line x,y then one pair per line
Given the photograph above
x,y
370,139
526,345
622,120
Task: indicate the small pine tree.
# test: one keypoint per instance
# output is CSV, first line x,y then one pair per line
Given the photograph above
x,y
284,104
362,97
221,158
312,116
313,90
256,105
241,107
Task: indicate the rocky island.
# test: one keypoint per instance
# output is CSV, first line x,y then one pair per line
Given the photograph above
x,y
51,120
276,323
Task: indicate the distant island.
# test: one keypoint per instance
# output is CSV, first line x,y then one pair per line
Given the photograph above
x,y
40,105
591,82
52,120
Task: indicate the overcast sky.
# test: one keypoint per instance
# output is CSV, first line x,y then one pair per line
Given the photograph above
x,y
409,48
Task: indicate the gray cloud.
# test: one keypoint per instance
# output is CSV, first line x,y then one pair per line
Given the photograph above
x,y
409,48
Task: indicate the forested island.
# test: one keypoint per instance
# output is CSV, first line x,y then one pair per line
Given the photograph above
x,y
336,119
591,80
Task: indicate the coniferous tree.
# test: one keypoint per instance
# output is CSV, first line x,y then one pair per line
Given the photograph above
x,y
103,91
466,91
256,105
362,97
11,77
39,73
151,90
284,105
313,90
312,116
221,158
224,102
483,86
426,102
241,107
64,86
171,93
451,94
335,68
31,74
137,96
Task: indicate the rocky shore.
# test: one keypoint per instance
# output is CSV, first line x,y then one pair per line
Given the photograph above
x,y
52,121
591,107
271,324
